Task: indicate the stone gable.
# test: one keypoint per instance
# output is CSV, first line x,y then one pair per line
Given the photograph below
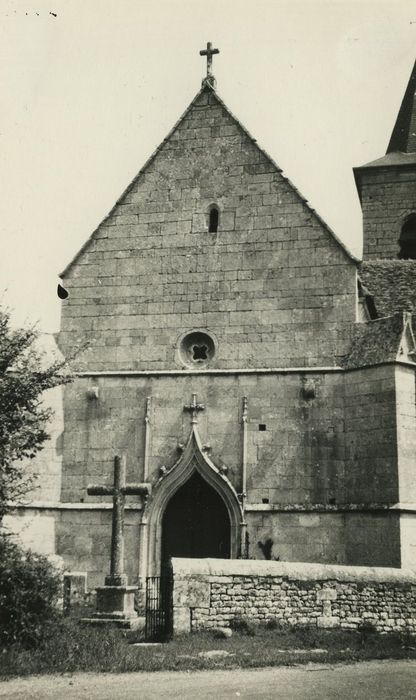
x,y
272,285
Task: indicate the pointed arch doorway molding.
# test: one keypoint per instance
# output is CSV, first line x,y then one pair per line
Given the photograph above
x,y
193,460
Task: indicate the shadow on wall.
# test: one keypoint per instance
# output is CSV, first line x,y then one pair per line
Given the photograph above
x,y
267,549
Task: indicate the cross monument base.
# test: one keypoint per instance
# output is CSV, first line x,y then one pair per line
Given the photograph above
x,y
115,606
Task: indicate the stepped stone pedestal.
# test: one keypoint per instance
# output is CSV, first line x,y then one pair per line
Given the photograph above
x,y
115,604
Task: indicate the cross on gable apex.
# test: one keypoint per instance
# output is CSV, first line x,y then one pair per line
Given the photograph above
x,y
209,52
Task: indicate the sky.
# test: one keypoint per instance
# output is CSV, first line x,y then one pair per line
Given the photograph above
x,y
90,88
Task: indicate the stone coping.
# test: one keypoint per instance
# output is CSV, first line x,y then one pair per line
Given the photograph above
x,y
236,371
249,507
210,370
326,507
298,571
76,505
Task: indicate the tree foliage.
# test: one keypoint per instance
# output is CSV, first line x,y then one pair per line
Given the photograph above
x,y
24,375
29,591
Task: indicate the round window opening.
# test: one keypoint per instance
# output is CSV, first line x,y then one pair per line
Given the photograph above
x,y
197,348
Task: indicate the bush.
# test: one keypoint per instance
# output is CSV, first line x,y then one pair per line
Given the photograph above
x,y
275,624
243,626
29,589
367,627
367,630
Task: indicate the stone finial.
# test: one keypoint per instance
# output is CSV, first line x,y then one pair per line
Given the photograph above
x,y
194,409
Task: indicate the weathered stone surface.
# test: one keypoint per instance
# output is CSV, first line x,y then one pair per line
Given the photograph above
x,y
181,619
222,632
215,654
74,589
328,621
299,595
326,594
224,571
388,195
270,248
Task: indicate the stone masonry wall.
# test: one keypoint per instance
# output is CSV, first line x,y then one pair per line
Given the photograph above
x,y
211,593
387,196
408,540
293,459
336,447
81,537
371,435
406,441
330,535
314,462
406,433
319,476
272,286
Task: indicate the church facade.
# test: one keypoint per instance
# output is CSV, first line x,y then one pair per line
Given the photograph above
x,y
257,379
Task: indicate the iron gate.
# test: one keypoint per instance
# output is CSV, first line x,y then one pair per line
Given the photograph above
x,y
159,609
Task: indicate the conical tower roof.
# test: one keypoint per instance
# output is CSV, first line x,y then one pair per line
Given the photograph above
x,y
403,137
401,150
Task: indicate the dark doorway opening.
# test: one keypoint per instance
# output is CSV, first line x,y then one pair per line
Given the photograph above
x,y
195,523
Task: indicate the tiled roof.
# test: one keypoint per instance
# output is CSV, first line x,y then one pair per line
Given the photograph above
x,y
391,283
375,342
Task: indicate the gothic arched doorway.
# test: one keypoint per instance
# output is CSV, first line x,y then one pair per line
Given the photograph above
x,y
196,522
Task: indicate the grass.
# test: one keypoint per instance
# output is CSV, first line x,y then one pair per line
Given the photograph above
x,y
70,648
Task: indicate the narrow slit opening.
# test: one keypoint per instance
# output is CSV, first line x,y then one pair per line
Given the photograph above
x,y
213,220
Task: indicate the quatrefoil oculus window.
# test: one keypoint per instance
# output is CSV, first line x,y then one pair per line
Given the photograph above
x,y
197,349
199,352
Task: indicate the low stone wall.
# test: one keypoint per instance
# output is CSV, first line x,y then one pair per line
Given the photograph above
x,y
210,593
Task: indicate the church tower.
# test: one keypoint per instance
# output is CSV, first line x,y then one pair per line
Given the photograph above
x,y
387,189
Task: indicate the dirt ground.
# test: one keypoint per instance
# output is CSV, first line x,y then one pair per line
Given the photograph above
x,y
380,680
